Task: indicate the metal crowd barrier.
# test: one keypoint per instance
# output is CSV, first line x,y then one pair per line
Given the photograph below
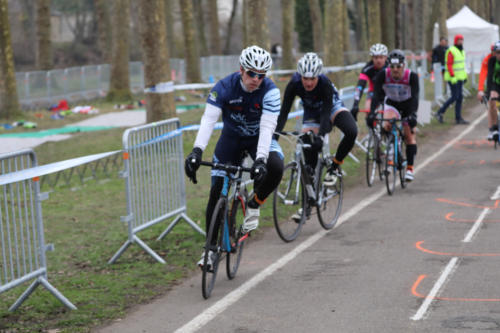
x,y
22,238
154,178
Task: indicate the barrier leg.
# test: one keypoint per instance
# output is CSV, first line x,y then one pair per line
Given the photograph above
x,y
119,252
177,219
57,294
149,250
24,295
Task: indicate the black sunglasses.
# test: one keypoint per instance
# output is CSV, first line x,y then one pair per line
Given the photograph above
x,y
253,74
397,66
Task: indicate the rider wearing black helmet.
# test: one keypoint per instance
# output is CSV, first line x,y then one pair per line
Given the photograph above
x,y
397,87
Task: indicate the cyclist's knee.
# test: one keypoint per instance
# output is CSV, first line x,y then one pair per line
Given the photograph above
x,y
275,165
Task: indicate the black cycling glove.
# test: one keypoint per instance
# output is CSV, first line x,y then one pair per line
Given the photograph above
x,y
192,163
259,170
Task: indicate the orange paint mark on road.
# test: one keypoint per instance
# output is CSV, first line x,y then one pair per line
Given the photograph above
x,y
466,204
450,218
451,162
419,246
460,299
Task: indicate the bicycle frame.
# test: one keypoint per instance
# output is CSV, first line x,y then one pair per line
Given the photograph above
x,y
229,181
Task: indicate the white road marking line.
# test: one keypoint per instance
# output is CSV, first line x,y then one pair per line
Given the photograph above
x,y
206,316
476,225
439,283
496,196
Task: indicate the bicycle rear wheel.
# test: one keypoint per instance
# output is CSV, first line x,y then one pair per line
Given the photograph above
x,y
390,166
329,204
288,200
371,158
209,273
236,217
402,163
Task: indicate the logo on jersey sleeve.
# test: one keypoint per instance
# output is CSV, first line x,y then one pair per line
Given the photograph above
x,y
213,96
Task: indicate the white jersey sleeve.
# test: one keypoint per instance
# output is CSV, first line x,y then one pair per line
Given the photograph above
x,y
210,117
271,107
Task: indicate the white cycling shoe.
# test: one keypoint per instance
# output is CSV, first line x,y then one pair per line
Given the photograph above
x,y
251,221
209,261
409,176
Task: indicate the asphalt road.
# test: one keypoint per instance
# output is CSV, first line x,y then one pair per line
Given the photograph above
x,y
423,260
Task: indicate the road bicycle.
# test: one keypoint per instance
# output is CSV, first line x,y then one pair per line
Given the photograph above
x,y
375,149
496,137
229,213
394,159
302,189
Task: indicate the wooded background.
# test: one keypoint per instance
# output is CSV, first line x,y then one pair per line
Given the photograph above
x,y
46,34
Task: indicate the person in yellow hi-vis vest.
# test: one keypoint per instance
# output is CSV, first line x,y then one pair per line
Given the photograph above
x,y
456,76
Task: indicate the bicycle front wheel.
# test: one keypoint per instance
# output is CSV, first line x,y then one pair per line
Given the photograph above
x,y
289,203
236,237
215,231
329,197
390,166
371,158
402,163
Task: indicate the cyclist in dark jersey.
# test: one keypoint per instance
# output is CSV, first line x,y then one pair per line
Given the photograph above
x,y
493,90
378,52
397,87
322,109
249,103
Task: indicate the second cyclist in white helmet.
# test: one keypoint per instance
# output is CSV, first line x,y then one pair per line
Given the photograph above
x,y
322,109
378,62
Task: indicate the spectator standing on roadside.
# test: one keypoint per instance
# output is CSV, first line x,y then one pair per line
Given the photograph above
x,y
456,76
438,53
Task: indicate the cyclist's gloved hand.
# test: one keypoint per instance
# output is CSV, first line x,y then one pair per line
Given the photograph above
x,y
259,170
317,143
412,120
370,119
355,110
192,163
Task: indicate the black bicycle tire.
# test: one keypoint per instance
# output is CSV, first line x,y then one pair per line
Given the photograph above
x,y
289,237
233,258
208,282
371,158
390,175
403,163
328,223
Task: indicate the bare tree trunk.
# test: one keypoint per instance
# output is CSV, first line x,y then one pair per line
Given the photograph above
x,y
191,53
44,49
334,55
374,33
361,28
156,65
103,29
287,30
345,27
244,19
258,27
410,10
214,28
388,12
169,20
443,15
119,83
10,106
199,22
399,24
230,25
317,26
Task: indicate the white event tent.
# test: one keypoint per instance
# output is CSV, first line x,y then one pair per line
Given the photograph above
x,y
478,34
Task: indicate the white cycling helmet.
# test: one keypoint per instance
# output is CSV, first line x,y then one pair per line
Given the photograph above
x,y
254,57
378,50
310,65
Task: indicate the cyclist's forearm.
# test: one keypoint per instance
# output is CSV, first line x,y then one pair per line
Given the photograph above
x,y
267,126
360,87
210,117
